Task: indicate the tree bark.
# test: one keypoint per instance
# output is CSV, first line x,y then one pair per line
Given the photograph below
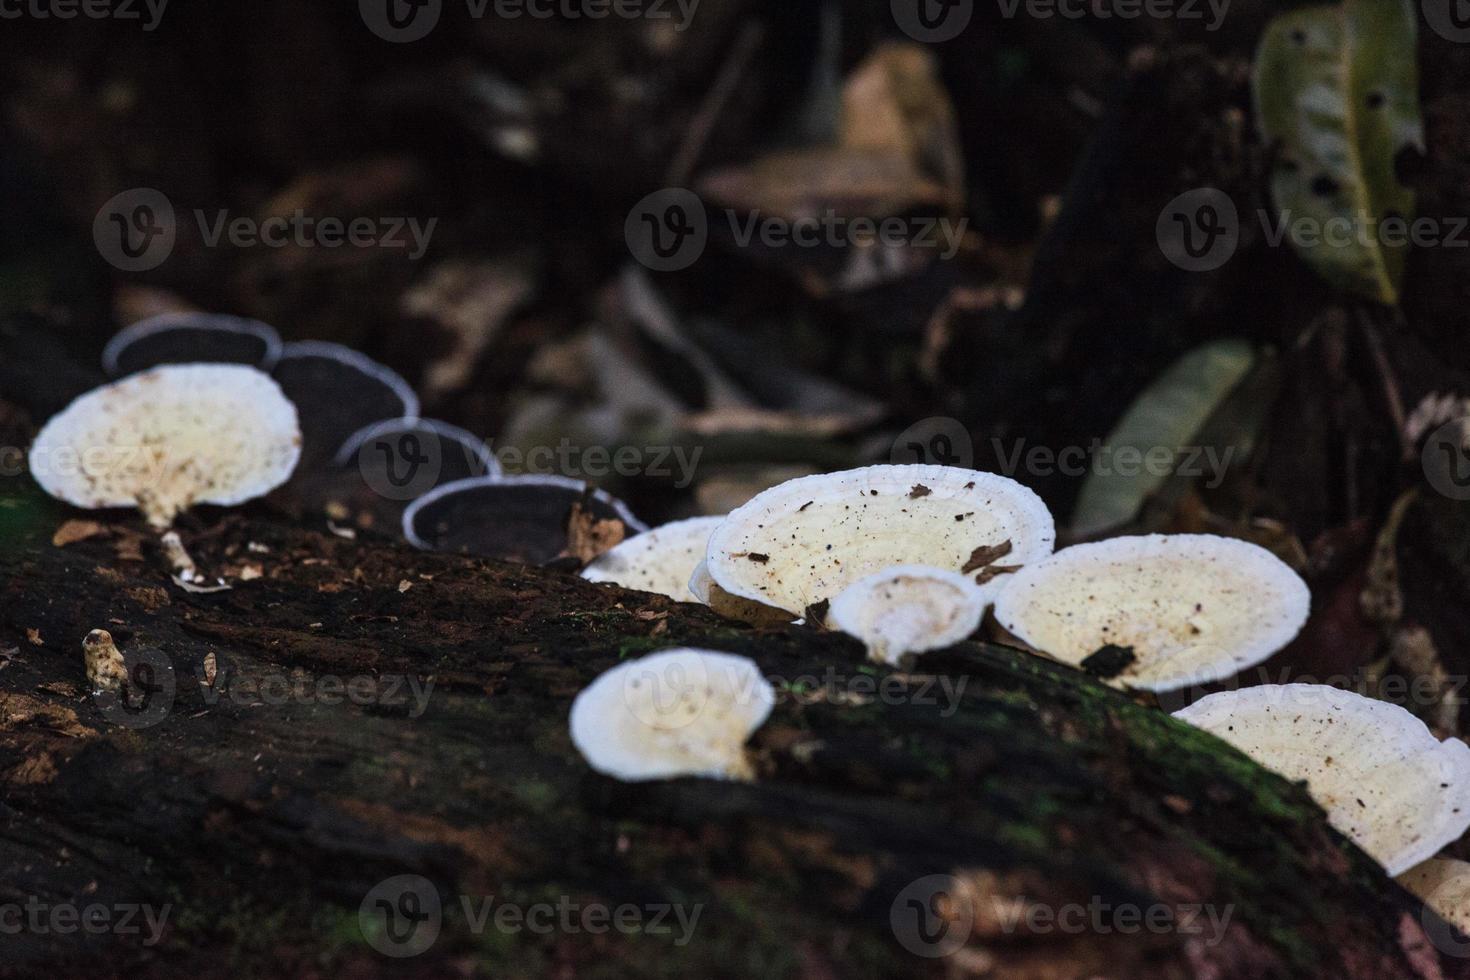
x,y
263,821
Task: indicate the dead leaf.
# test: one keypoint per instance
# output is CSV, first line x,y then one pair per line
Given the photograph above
x,y
589,535
34,635
76,530
986,554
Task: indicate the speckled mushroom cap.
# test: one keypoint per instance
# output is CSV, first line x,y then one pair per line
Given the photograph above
x,y
166,439
1444,885
908,609
806,540
682,712
662,560
1385,781
1192,608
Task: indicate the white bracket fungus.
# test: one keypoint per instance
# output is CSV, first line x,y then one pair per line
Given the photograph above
x,y
683,712
804,541
191,338
169,438
1178,609
1385,781
908,609
662,560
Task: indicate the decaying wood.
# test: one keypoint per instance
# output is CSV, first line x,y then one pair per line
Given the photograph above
x,y
263,821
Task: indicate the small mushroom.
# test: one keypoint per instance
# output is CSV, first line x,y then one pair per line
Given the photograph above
x,y
339,392
166,439
1191,608
1444,885
513,518
191,338
107,672
662,560
908,609
1385,781
806,540
682,712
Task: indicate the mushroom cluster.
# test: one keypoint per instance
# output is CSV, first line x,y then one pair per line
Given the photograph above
x,y
217,409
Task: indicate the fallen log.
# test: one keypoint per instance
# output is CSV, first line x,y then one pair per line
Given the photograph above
x,y
361,712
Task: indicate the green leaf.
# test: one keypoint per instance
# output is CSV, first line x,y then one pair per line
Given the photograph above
x,y
1165,419
1337,88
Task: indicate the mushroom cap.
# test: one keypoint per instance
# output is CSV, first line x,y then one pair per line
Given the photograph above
x,y
662,560
464,450
681,712
908,609
339,391
191,338
1444,885
1193,608
517,518
168,438
1385,781
806,540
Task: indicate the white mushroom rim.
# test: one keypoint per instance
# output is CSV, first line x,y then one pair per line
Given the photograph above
x,y
662,560
410,514
129,335
476,450
682,712
167,438
908,609
804,541
359,362
1185,609
1385,781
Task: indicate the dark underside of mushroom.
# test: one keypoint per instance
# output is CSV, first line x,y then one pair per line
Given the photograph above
x,y
185,345
510,521
335,400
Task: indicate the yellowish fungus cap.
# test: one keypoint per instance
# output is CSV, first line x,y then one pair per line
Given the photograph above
x,y
908,609
168,438
1385,781
804,541
1443,884
662,560
1181,609
682,712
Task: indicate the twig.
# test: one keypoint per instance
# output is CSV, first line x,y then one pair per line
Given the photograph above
x,y
692,146
1388,377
